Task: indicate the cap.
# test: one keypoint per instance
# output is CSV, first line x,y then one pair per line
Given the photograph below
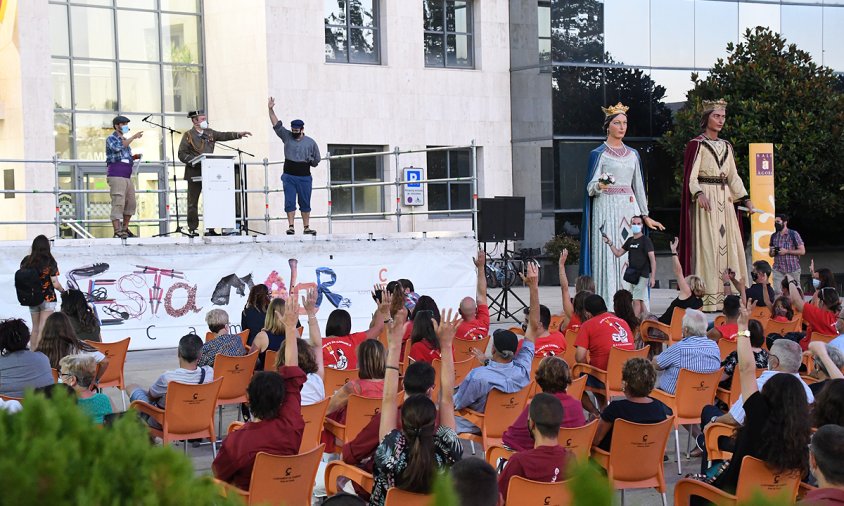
x,y
198,112
297,123
505,340
118,120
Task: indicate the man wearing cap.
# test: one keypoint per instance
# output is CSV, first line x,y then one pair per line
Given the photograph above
x,y
119,175
507,371
196,141
300,154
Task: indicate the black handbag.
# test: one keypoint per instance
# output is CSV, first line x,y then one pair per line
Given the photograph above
x,y
632,275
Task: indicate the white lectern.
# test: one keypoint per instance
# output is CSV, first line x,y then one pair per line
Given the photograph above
x,y
217,189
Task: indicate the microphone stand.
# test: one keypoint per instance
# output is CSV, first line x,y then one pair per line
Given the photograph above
x,y
241,174
175,181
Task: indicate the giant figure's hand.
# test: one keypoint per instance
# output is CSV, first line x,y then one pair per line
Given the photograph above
x,y
653,224
703,202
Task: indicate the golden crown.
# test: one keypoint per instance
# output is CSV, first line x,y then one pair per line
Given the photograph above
x,y
711,105
618,108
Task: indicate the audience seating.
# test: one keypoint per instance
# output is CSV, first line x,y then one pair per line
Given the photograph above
x,y
528,492
578,440
673,331
754,478
711,434
338,468
236,373
824,338
760,312
189,413
694,391
398,497
783,328
635,458
462,347
244,336
500,412
314,415
556,322
729,397
461,370
495,452
719,320
56,379
113,375
726,347
612,376
281,479
270,358
334,379
359,412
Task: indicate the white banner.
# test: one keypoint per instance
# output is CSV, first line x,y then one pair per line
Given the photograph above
x,y
157,290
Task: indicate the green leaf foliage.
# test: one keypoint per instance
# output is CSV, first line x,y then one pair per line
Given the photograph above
x,y
775,93
52,453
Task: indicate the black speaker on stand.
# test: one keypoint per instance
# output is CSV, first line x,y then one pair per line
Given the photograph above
x,y
502,219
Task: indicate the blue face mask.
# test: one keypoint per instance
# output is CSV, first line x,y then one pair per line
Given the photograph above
x,y
124,129
636,229
816,283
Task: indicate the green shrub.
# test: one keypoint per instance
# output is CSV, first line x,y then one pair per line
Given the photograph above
x,y
560,242
53,454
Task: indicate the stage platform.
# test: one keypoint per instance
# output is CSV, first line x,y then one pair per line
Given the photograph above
x,y
157,289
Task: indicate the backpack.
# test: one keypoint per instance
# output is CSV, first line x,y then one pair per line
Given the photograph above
x,y
28,287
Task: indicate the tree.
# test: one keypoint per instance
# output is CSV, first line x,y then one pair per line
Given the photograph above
x,y
775,93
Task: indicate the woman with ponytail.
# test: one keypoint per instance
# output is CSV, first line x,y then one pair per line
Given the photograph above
x,y
408,458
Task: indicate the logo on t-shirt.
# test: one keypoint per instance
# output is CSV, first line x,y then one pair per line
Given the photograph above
x,y
620,335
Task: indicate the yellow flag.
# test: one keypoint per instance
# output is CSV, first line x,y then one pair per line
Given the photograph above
x,y
762,194
8,18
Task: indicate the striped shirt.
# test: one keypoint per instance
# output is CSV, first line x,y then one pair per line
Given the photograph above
x,y
159,388
789,240
695,353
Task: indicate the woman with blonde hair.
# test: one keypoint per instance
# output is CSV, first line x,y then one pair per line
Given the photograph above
x,y
691,288
272,335
78,371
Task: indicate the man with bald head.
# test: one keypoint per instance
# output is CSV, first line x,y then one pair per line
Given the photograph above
x,y
475,312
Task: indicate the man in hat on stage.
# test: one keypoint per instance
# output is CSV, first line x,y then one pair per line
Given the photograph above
x,y
119,159
196,141
300,154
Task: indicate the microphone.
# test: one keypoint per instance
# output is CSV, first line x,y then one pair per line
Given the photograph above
x,y
147,117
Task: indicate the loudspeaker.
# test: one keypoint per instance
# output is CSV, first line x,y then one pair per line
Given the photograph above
x,y
501,219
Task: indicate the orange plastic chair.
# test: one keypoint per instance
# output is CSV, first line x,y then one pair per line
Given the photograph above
x,y
113,375
612,376
338,468
556,321
824,338
694,391
782,328
359,412
495,452
210,336
635,457
577,387
517,330
578,440
729,397
314,416
808,379
282,479
760,312
534,365
189,413
720,320
56,376
711,434
398,497
754,478
501,411
524,491
334,379
270,358
673,331
462,347
7,398
726,347
461,370
244,336
236,373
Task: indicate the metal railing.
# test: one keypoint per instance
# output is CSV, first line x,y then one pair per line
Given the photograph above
x,y
78,224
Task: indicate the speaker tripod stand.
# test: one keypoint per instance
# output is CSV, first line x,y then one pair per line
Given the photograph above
x,y
504,271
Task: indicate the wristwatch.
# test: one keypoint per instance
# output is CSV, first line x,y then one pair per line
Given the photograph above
x,y
743,333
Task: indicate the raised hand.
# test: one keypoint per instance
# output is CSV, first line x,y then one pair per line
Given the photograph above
x,y
395,327
386,302
531,279
563,257
291,310
480,259
447,328
270,103
744,314
309,301
674,243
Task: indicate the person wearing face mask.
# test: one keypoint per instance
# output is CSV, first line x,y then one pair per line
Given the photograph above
x,y
786,247
119,175
300,154
761,275
196,141
640,260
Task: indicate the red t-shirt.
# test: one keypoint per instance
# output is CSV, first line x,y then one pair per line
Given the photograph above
x,y
341,352
478,328
546,463
574,323
422,351
817,320
279,436
552,344
517,435
728,331
601,333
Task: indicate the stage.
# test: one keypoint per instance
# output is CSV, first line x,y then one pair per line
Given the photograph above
x,y
157,289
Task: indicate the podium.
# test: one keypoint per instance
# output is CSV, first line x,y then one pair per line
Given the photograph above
x,y
217,189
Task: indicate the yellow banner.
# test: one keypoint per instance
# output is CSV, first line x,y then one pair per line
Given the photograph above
x,y
762,194
8,17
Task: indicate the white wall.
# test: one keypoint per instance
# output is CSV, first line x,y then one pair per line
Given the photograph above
x,y
398,103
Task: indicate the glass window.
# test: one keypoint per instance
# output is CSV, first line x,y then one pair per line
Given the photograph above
x,y
577,30
547,181
93,32
351,31
626,27
544,31
673,33
364,169
62,128
180,38
105,3
150,144
140,87
137,4
455,195
180,5
800,25
715,27
59,43
138,39
577,97
833,38
94,85
91,132
61,84
183,90
448,33
572,163
753,15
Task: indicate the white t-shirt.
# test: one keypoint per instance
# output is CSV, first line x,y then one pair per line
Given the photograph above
x,y
313,390
737,411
